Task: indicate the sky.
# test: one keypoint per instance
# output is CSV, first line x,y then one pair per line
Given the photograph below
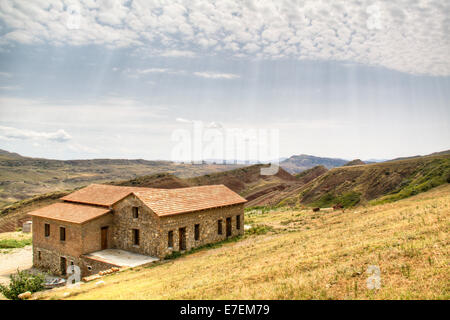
x,y
118,79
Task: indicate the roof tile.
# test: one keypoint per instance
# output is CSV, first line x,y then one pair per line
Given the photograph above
x,y
84,205
182,200
101,194
69,212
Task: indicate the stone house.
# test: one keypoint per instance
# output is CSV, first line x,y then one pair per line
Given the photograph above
x,y
144,221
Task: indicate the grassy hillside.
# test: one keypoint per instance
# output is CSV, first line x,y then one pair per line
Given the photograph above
x,y
259,190
393,180
311,174
305,255
5,155
159,180
22,178
12,216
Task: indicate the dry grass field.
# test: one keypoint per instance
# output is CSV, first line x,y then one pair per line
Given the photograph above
x,y
306,255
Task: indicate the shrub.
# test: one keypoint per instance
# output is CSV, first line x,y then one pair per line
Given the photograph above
x,y
349,199
22,282
12,243
326,200
259,229
173,255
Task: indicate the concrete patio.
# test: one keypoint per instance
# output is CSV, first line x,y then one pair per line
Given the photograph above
x,y
121,258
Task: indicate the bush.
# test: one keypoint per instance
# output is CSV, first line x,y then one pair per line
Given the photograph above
x,y
326,200
22,282
173,255
259,229
12,243
349,199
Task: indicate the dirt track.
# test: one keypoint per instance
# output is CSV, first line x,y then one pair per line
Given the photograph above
x,y
21,258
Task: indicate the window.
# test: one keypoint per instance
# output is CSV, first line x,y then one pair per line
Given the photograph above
x,y
62,233
197,232
238,222
136,237
135,212
219,227
170,239
47,230
39,255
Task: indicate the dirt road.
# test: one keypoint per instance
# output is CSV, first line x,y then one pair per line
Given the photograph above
x,y
21,258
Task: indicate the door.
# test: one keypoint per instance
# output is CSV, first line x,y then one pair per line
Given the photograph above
x,y
228,227
63,266
182,238
104,238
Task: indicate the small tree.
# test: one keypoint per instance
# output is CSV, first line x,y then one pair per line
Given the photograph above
x,y
22,282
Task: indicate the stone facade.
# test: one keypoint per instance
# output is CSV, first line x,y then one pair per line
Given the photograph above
x,y
147,223
208,221
153,231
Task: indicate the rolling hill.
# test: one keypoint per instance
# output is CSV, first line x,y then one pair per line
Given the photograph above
x,y
318,186
5,155
299,163
23,177
386,181
356,162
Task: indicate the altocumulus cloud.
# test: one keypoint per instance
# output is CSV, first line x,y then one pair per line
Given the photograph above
x,y
10,133
408,36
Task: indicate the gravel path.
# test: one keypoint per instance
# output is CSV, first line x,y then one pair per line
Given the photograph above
x,y
21,258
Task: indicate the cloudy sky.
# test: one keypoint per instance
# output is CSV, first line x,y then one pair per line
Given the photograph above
x,y
350,79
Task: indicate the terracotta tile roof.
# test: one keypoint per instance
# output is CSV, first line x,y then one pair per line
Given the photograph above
x,y
101,194
69,212
166,202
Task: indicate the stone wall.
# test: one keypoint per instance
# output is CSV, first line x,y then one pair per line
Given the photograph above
x,y
50,260
153,230
91,266
208,221
147,223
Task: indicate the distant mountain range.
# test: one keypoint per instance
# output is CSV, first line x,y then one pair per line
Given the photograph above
x,y
299,163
